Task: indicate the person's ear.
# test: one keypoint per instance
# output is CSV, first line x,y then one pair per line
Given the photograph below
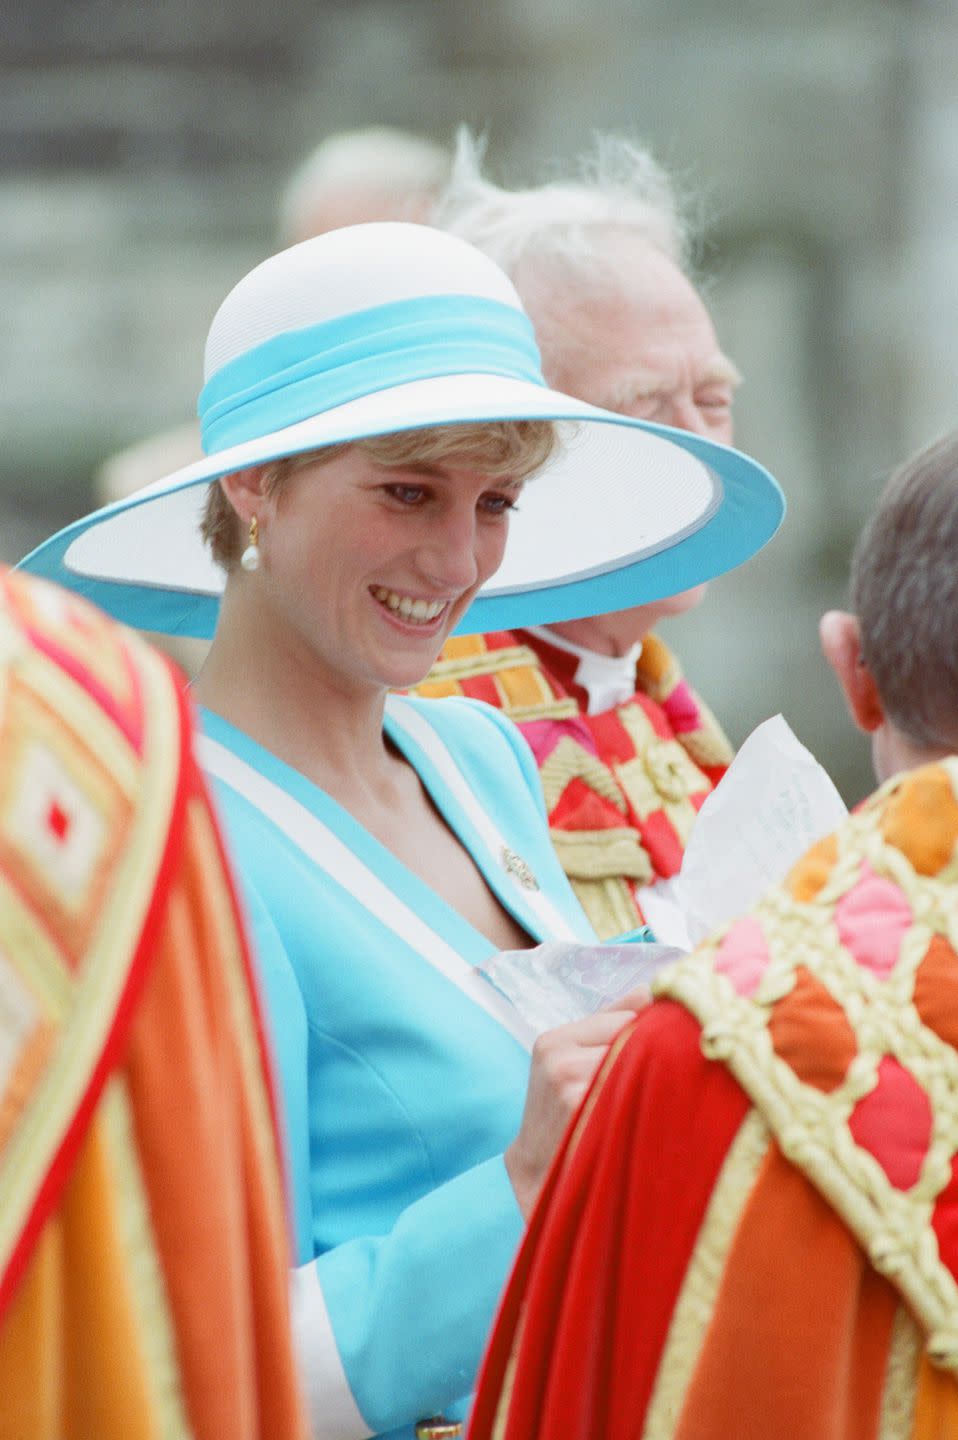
x,y
246,491
840,636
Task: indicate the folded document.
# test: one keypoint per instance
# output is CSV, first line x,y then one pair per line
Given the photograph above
x,y
773,803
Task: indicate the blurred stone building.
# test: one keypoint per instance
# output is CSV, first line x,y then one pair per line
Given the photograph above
x,y
144,148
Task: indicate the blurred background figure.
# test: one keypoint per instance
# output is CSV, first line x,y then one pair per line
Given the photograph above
x,y
752,1228
627,751
144,1247
376,173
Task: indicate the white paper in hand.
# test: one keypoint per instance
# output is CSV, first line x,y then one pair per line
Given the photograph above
x,y
774,801
554,983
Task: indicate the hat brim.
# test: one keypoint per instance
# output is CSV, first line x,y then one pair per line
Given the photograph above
x,y
628,512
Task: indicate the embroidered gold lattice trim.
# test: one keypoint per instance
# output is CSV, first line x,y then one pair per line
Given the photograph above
x,y
486,662
547,710
609,906
602,854
696,1303
708,745
657,675
570,761
811,1126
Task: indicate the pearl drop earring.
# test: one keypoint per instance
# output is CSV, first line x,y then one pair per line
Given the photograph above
x,y
250,556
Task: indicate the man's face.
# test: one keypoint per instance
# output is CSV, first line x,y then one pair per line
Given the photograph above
x,y
642,344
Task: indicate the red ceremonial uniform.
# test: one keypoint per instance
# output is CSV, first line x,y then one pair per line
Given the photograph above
x,y
623,786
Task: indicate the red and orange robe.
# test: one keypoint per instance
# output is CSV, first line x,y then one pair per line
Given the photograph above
x,y
752,1227
622,787
143,1232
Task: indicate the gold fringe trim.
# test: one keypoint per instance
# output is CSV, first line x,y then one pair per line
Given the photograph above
x,y
901,1379
148,1289
703,1278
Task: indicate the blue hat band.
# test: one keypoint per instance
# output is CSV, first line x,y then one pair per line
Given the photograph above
x,y
302,373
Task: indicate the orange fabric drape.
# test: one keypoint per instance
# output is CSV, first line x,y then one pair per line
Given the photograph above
x,y
796,1338
143,1291
584,1320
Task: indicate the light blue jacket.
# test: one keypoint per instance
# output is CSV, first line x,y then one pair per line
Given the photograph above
x,y
401,1080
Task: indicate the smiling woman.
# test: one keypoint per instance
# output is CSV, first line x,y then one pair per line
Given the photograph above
x,y
373,404
364,561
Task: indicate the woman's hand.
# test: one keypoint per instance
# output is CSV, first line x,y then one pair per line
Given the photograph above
x,y
564,1062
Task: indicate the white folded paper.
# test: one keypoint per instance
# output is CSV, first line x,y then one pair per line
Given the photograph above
x,y
557,982
774,801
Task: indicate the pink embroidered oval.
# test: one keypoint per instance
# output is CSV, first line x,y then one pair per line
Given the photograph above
x,y
743,955
893,1123
872,919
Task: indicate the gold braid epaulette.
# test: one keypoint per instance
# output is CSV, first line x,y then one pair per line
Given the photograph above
x,y
856,952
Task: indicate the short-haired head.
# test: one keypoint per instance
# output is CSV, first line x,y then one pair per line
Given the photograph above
x,y
904,591
378,172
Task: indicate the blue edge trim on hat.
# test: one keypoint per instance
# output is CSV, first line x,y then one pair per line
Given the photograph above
x,y
283,380
750,512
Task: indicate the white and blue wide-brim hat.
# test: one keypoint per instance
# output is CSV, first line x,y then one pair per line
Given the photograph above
x,y
380,328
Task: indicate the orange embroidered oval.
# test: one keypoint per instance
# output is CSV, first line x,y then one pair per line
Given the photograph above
x,y
811,1032
806,878
921,819
936,990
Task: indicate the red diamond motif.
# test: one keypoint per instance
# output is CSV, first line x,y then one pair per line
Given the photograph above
x,y
894,1123
58,821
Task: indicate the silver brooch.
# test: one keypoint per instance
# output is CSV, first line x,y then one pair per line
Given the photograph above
x,y
514,864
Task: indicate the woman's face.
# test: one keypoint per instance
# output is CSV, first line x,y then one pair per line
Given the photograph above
x,y
370,567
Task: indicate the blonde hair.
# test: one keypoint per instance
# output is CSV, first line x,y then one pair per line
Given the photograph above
x,y
500,449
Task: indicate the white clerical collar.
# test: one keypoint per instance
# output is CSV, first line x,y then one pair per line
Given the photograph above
x,y
608,680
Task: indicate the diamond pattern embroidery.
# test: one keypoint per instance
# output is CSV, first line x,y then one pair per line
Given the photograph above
x,y
63,818
833,1003
25,1042
55,824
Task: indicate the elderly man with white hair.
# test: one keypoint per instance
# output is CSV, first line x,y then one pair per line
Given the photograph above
x,y
627,752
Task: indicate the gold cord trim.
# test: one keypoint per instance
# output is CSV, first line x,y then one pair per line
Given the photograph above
x,y
703,1278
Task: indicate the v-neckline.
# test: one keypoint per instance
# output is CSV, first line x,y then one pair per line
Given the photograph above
x,y
404,882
